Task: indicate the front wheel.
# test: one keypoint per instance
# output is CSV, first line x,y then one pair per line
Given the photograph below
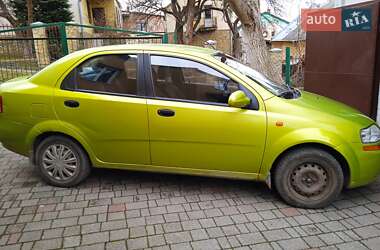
x,y
308,178
61,161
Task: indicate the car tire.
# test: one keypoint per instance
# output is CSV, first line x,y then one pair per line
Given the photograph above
x,y
61,161
308,178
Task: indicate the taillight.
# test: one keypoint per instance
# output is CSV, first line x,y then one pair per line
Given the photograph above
x,y
1,104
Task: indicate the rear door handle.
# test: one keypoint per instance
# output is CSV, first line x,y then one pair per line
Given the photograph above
x,y
71,104
166,112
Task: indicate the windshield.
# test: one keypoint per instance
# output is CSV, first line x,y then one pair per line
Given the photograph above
x,y
274,87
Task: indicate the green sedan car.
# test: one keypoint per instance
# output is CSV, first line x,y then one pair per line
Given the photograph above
x,y
185,110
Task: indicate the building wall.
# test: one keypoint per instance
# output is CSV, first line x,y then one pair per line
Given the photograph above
x,y
154,23
221,24
112,11
222,37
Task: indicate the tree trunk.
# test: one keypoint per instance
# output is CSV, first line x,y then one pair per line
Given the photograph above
x,y
179,33
6,14
190,16
236,46
29,6
253,47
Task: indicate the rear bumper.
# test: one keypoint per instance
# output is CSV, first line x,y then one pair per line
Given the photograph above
x,y
364,165
12,136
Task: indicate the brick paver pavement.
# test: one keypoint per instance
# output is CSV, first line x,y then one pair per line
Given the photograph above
x,y
129,210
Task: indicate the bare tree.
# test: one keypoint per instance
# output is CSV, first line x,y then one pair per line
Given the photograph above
x,y
187,16
254,51
6,13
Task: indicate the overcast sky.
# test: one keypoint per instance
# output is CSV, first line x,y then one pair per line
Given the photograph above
x,y
291,8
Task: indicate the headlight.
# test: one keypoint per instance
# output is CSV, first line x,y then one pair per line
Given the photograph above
x,y
370,134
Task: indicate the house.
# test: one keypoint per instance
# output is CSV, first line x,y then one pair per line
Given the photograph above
x,y
97,12
272,24
140,21
291,36
214,27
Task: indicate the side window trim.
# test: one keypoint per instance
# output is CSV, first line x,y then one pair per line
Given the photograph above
x,y
150,92
141,86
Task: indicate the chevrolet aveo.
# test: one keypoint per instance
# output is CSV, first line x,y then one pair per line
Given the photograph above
x,y
187,110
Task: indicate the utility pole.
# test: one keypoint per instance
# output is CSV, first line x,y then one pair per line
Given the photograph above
x,y
29,5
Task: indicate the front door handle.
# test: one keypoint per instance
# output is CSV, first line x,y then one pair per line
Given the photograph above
x,y
71,104
166,112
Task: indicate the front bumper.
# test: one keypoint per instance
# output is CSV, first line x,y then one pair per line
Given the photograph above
x,y
364,165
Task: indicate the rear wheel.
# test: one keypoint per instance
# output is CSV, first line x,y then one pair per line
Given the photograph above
x,y
61,161
309,178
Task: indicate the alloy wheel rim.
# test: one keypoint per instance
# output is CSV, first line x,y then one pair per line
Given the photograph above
x,y
60,162
309,180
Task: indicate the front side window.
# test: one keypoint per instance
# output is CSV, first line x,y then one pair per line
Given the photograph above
x,y
110,73
177,78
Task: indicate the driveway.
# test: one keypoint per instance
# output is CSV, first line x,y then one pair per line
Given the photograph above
x,y
129,210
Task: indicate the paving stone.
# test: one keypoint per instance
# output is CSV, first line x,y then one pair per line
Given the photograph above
x,y
330,238
156,240
116,245
144,211
373,243
65,222
52,233
93,238
178,237
198,234
275,235
138,243
250,238
367,232
70,231
136,232
30,236
182,246
205,244
352,246
112,225
119,234
90,228
71,241
293,244
48,244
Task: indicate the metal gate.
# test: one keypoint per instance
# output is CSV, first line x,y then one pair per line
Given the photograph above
x,y
26,50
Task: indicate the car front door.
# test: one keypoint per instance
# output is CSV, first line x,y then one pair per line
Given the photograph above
x,y
191,126
102,99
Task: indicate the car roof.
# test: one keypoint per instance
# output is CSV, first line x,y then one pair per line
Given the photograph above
x,y
176,48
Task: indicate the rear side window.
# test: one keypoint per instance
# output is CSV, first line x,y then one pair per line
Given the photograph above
x,y
177,78
107,74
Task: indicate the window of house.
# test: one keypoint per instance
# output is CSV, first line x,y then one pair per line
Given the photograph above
x,y
177,78
109,73
99,16
208,12
140,26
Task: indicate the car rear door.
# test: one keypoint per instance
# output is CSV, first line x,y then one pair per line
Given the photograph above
x,y
102,99
191,126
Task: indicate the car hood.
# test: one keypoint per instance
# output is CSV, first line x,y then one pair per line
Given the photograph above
x,y
328,107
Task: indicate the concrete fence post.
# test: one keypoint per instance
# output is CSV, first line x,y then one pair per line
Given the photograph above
x,y
40,44
72,32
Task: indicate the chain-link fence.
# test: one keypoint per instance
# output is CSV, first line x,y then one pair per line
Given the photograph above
x,y
25,50
289,60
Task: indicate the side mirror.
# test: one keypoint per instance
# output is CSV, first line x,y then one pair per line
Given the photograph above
x,y
238,99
